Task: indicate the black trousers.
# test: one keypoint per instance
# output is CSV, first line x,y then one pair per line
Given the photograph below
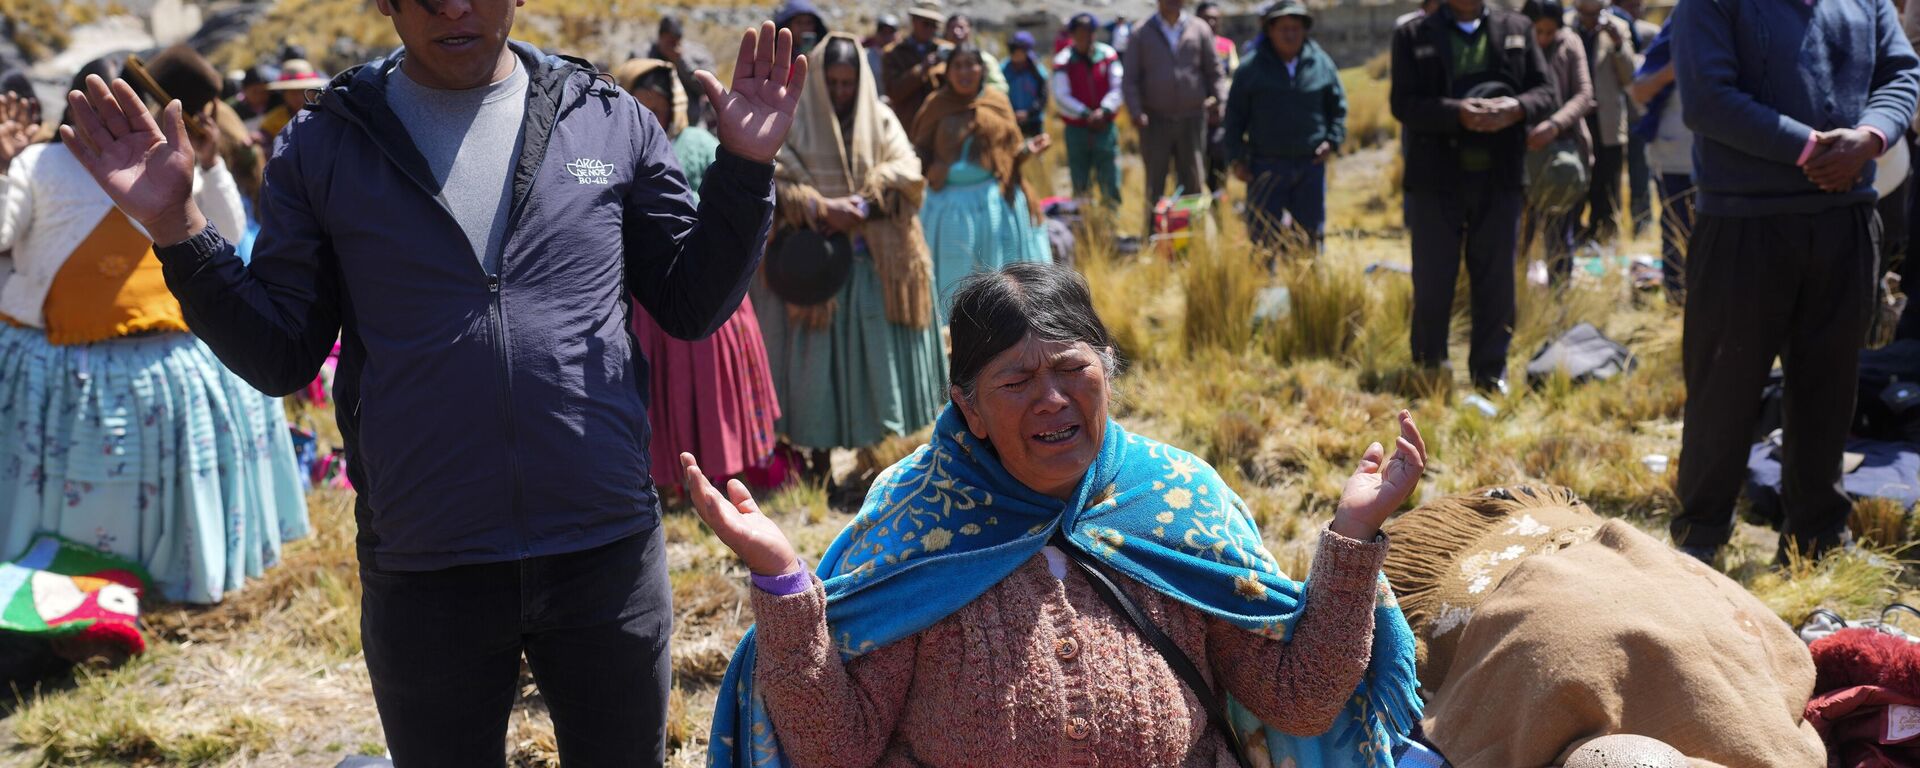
x,y
1603,194
1480,219
444,648
1800,287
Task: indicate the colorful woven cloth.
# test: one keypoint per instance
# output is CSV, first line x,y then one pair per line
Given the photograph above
x,y
59,589
947,523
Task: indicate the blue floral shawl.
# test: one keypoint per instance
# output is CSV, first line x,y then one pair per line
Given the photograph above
x,y
945,524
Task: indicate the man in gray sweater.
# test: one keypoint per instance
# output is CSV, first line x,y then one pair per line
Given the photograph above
x,y
1170,77
1789,102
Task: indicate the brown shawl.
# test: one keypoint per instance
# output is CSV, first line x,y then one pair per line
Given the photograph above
x,y
986,117
872,159
1543,625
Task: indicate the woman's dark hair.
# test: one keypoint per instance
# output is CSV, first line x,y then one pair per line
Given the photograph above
x,y
107,67
840,50
1550,10
963,50
992,311
659,80
669,27
15,81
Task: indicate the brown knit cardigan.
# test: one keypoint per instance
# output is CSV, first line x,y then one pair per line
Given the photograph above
x,y
1040,672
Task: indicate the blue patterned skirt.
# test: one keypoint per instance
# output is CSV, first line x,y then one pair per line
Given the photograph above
x,y
149,448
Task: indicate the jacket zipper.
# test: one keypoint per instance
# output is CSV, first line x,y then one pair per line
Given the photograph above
x,y
496,316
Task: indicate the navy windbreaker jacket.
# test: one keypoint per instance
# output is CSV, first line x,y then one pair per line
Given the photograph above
x,y
487,417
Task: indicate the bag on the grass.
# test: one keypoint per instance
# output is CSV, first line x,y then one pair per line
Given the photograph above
x,y
1583,354
60,589
1889,471
1866,698
1556,177
1888,403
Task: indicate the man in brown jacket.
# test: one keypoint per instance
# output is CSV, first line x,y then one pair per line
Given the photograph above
x,y
1171,77
913,67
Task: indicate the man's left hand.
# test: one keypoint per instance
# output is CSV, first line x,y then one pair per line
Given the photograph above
x,y
754,116
1846,154
1322,152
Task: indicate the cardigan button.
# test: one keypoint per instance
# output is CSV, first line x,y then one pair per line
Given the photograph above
x,y
1078,728
1066,648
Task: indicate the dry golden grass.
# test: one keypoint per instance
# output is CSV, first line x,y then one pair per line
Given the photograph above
x,y
274,677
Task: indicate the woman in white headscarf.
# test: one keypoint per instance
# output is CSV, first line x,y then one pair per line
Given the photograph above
x,y
867,363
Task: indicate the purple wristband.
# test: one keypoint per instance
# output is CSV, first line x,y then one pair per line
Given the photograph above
x,y
785,584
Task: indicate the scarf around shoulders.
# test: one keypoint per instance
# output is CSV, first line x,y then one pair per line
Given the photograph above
x,y
990,125
946,524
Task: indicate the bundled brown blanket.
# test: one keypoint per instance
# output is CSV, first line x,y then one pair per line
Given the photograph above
x,y
1544,626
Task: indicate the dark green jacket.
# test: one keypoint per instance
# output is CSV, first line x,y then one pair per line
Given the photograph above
x,y
1273,114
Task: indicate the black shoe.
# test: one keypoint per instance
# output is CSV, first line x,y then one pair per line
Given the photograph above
x,y
1493,385
1703,554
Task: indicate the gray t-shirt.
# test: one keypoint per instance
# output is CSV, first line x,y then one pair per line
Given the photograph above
x,y
465,136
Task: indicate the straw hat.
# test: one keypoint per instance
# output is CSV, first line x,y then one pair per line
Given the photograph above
x,y
931,10
298,75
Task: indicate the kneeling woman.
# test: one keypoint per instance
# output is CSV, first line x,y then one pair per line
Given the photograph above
x,y
964,617
118,428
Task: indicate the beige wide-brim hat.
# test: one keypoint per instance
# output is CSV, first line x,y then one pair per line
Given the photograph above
x,y
298,75
930,10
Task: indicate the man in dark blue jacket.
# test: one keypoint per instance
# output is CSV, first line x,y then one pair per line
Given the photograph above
x,y
468,217
1789,101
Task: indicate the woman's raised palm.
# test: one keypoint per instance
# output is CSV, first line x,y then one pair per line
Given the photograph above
x,y
738,522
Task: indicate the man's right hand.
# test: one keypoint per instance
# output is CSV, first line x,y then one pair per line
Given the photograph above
x,y
145,167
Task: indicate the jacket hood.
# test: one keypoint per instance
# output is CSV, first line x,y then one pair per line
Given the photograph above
x,y
793,9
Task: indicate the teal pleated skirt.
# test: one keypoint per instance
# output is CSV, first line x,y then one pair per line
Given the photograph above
x,y
148,448
858,381
970,226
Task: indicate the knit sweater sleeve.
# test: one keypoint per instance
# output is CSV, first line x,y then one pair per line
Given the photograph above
x,y
827,713
1300,685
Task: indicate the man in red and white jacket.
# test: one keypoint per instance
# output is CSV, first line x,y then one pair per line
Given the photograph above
x,y
1086,88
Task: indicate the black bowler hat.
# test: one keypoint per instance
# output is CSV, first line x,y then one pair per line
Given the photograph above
x,y
805,267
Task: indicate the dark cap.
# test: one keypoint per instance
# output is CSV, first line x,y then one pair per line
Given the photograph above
x,y
1083,20
1286,8
887,21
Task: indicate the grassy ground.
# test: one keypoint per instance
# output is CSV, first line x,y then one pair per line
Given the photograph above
x,y
274,676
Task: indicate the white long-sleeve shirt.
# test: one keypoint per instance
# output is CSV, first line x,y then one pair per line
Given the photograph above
x,y
49,204
1063,87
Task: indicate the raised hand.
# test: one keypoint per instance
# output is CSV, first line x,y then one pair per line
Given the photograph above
x,y
19,121
767,78
145,167
738,522
1376,490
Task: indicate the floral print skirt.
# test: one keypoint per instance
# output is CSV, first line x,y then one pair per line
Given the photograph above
x,y
148,448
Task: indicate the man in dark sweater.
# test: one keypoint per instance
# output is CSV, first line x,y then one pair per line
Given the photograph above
x,y
1464,80
1790,101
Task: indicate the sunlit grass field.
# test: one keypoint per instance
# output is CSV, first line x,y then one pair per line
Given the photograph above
x,y
274,676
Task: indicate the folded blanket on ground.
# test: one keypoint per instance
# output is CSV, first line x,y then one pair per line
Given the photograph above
x,y
62,590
